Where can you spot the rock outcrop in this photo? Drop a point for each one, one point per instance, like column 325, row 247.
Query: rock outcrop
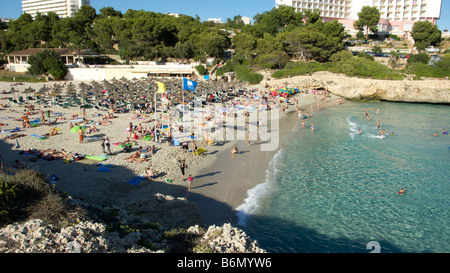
column 423, row 91
column 139, row 231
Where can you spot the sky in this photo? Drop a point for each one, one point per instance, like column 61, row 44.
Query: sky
column 203, row 8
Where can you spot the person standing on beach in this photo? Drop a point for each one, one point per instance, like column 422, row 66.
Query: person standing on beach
column 139, row 129
column 108, row 146
column 130, row 129
column 183, row 167
column 81, row 135
column 103, row 146
column 83, row 111
column 194, row 148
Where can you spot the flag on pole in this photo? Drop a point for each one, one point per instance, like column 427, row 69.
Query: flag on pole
column 161, row 87
column 189, row 85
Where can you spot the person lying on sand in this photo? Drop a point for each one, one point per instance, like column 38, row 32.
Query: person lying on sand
column 137, row 157
column 14, row 136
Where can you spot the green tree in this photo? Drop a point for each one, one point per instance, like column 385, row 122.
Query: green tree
column 307, row 43
column 185, row 51
column 108, row 12
column 312, row 17
column 244, row 45
column 103, row 34
column 424, row 34
column 276, row 20
column 213, row 43
column 47, row 61
column 56, row 68
column 368, row 19
column 267, row 44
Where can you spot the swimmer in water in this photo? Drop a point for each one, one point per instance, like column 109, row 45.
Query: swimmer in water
column 402, row 191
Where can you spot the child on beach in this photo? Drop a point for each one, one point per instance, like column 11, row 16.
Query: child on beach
column 190, row 179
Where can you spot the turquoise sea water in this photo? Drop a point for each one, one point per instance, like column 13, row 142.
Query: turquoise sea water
column 334, row 190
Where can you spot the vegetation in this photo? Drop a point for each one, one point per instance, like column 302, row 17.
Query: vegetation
column 276, row 37
column 28, row 195
column 425, row 34
column 368, row 18
column 341, row 62
column 47, row 61
column 418, row 65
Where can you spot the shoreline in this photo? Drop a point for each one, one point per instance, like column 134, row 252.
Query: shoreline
column 230, row 177
column 221, row 180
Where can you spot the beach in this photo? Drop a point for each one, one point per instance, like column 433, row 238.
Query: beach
column 221, row 180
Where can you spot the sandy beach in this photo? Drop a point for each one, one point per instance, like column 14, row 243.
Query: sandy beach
column 220, row 179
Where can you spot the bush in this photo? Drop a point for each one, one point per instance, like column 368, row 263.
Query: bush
column 245, row 74
column 366, row 56
column 8, row 195
column 56, row 68
column 28, row 195
column 201, row 69
column 419, row 58
column 341, row 62
column 441, row 70
column 47, row 61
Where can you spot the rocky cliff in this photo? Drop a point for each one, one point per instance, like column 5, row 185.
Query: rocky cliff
column 134, row 231
column 424, row 91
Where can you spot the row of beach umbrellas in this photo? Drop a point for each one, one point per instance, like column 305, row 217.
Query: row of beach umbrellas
column 135, row 90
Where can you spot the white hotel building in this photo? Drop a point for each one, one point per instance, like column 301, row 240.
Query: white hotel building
column 397, row 16
column 64, row 8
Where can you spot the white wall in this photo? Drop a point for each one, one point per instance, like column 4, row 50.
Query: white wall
column 127, row 71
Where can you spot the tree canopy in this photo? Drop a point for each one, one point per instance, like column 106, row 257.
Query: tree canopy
column 275, row 37
column 368, row 18
column 425, row 34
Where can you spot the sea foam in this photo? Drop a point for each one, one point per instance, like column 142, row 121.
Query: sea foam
column 257, row 194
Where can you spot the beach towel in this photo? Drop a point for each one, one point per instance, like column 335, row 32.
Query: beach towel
column 103, row 169
column 200, row 151
column 147, row 138
column 96, row 158
column 136, row 180
column 14, row 130
column 40, row 137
